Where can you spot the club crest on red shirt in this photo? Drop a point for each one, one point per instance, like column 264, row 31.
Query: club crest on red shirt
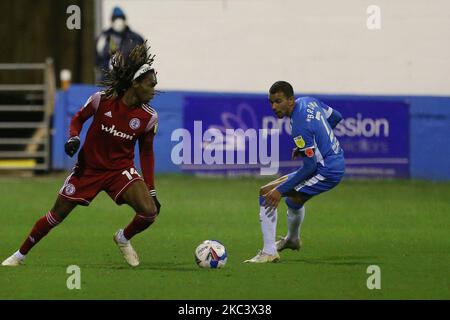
column 135, row 123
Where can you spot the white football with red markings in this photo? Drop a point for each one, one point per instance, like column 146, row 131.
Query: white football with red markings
column 211, row 254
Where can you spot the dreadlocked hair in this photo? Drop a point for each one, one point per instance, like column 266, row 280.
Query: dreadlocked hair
column 120, row 76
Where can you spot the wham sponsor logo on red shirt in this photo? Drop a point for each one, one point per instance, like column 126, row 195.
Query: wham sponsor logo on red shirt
column 116, row 133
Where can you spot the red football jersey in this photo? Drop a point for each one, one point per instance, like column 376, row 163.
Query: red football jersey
column 111, row 138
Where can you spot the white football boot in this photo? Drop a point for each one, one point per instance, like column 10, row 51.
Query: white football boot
column 284, row 243
column 127, row 250
column 12, row 261
column 263, row 257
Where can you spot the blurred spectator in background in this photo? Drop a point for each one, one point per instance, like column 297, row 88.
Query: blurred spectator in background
column 118, row 37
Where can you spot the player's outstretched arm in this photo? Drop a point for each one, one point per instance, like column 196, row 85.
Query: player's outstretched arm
column 76, row 124
column 147, row 159
column 305, row 172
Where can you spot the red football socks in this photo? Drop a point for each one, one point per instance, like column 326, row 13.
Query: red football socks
column 138, row 224
column 51, row 220
column 40, row 229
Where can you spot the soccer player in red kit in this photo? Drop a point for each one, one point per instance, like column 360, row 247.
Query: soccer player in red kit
column 105, row 162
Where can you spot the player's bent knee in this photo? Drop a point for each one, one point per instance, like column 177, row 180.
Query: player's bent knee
column 297, row 199
column 295, row 203
column 148, row 210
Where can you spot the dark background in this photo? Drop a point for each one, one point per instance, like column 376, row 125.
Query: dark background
column 31, row 31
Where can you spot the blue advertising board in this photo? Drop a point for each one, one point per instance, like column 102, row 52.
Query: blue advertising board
column 239, row 135
column 374, row 136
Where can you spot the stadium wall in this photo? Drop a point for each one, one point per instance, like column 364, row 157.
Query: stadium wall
column 318, row 46
column 429, row 127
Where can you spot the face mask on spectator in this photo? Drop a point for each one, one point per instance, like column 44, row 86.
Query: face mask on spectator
column 118, row 25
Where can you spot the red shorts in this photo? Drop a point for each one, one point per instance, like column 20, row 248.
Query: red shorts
column 83, row 184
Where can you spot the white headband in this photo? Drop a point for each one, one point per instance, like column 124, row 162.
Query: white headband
column 143, row 69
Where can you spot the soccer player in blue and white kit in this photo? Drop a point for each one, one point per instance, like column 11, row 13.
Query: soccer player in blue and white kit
column 323, row 167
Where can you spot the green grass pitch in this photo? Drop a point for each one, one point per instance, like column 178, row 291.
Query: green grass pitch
column 401, row 226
